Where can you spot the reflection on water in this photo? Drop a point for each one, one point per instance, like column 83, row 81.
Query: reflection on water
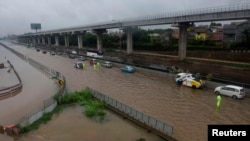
column 188, row 110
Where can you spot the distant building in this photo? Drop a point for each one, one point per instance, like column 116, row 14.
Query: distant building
column 217, row 35
column 233, row 32
column 202, row 32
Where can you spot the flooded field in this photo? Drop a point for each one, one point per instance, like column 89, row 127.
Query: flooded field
column 188, row 110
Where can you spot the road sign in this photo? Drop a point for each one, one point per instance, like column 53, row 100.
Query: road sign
column 60, row 82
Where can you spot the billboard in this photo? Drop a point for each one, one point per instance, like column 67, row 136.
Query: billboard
column 35, row 26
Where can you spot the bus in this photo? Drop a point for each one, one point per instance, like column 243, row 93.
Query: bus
column 94, row 53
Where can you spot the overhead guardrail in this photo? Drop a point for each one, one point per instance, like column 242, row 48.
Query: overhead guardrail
column 229, row 12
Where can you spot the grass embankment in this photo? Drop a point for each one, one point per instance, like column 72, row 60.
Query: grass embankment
column 93, row 108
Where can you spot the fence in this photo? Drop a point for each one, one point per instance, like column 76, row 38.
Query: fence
column 160, row 127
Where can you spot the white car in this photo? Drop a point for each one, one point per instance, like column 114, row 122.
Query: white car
column 73, row 52
column 107, row 64
column 188, row 79
column 231, row 91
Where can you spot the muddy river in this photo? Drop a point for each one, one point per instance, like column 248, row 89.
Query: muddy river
column 188, row 110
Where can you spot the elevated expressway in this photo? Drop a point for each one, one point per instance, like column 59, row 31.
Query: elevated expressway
column 181, row 19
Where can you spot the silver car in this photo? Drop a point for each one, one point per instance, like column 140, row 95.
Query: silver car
column 107, row 64
column 231, row 91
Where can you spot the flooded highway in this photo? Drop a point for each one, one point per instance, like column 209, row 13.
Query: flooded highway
column 188, row 110
column 32, row 95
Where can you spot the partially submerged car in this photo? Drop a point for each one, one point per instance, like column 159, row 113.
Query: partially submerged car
column 82, row 58
column 72, row 56
column 78, row 65
column 44, row 51
column 128, row 69
column 189, row 80
column 231, row 91
column 73, row 52
column 52, row 53
column 107, row 64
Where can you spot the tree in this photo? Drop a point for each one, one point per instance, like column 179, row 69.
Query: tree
column 215, row 24
column 246, row 36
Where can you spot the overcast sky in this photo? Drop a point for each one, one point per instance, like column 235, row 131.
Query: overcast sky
column 17, row 15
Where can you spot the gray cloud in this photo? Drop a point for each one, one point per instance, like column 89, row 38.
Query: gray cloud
column 16, row 15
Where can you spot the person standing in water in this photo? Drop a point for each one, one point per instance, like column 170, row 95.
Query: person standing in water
column 218, row 102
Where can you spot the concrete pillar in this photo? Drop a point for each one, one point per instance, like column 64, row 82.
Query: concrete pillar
column 34, row 40
column 29, row 41
column 49, row 40
column 182, row 40
column 98, row 34
column 129, row 42
column 57, row 40
column 99, row 41
column 38, row 40
column 66, row 40
column 43, row 40
column 79, row 38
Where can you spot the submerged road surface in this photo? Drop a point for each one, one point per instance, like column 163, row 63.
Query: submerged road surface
column 188, row 110
column 36, row 89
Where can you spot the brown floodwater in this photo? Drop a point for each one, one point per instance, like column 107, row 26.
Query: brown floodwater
column 36, row 88
column 72, row 124
column 188, row 110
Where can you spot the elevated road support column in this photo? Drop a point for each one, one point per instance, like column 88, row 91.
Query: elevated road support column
column 66, row 40
column 98, row 33
column 43, row 40
column 49, row 40
column 38, row 40
column 79, row 39
column 56, row 40
column 182, row 40
column 129, row 32
column 34, row 40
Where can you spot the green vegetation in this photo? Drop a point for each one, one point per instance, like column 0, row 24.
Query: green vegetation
column 93, row 108
column 209, row 76
column 43, row 120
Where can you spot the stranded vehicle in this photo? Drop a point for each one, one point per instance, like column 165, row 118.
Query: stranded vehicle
column 107, row 64
column 78, row 65
column 189, row 80
column 231, row 91
column 94, row 53
column 128, row 69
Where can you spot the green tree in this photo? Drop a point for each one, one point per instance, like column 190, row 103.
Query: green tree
column 246, row 36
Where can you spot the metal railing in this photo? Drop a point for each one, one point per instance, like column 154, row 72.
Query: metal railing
column 208, row 10
column 131, row 112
